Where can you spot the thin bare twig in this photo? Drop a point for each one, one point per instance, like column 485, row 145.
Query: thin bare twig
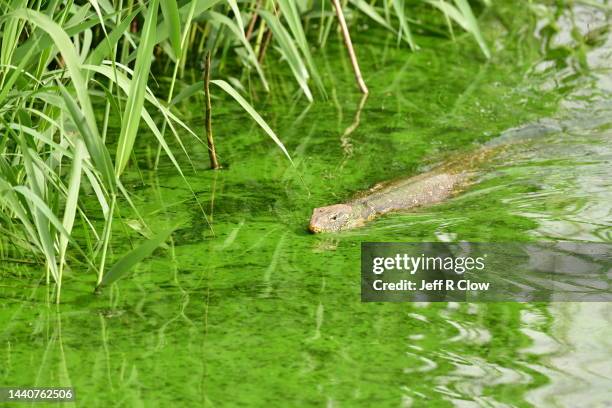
column 349, row 46
column 267, row 38
column 264, row 46
column 251, row 28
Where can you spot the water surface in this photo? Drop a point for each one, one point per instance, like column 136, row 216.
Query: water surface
column 247, row 308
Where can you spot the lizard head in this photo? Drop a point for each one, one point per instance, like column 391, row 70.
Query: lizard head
column 332, row 218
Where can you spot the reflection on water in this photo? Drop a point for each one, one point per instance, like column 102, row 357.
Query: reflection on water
column 263, row 313
column 577, row 357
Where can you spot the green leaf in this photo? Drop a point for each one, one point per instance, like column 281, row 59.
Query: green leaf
column 72, row 196
column 129, row 260
column 219, row 18
column 170, row 12
column 97, row 150
column 290, row 12
column 187, row 92
column 64, row 45
column 44, row 209
column 472, row 25
column 399, row 6
column 234, row 6
column 201, row 6
column 138, row 86
column 371, row 12
column 124, row 83
column 462, row 15
column 289, row 51
column 106, row 45
column 247, row 107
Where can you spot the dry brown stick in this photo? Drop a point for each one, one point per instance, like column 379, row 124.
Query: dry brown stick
column 253, row 20
column 134, row 26
column 349, row 46
column 267, row 38
column 214, row 164
column 264, row 46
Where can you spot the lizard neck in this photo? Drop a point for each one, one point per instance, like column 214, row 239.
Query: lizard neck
column 362, row 211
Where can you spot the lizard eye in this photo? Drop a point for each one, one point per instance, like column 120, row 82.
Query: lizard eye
column 334, row 217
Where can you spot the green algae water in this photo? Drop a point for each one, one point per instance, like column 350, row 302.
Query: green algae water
column 245, row 308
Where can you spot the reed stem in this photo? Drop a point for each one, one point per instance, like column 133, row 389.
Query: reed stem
column 251, row 28
column 349, row 46
column 214, row 164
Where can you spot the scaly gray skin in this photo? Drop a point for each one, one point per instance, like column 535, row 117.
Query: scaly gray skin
column 425, row 189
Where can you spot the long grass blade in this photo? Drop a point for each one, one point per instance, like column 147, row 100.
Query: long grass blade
column 97, row 150
column 462, row 15
column 399, row 6
column 235, row 29
column 170, row 12
column 71, row 59
column 201, row 6
column 289, row 51
column 132, row 258
column 135, row 102
column 71, row 199
column 472, row 25
column 290, row 12
column 371, row 12
column 70, row 209
column 105, row 47
column 251, row 111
